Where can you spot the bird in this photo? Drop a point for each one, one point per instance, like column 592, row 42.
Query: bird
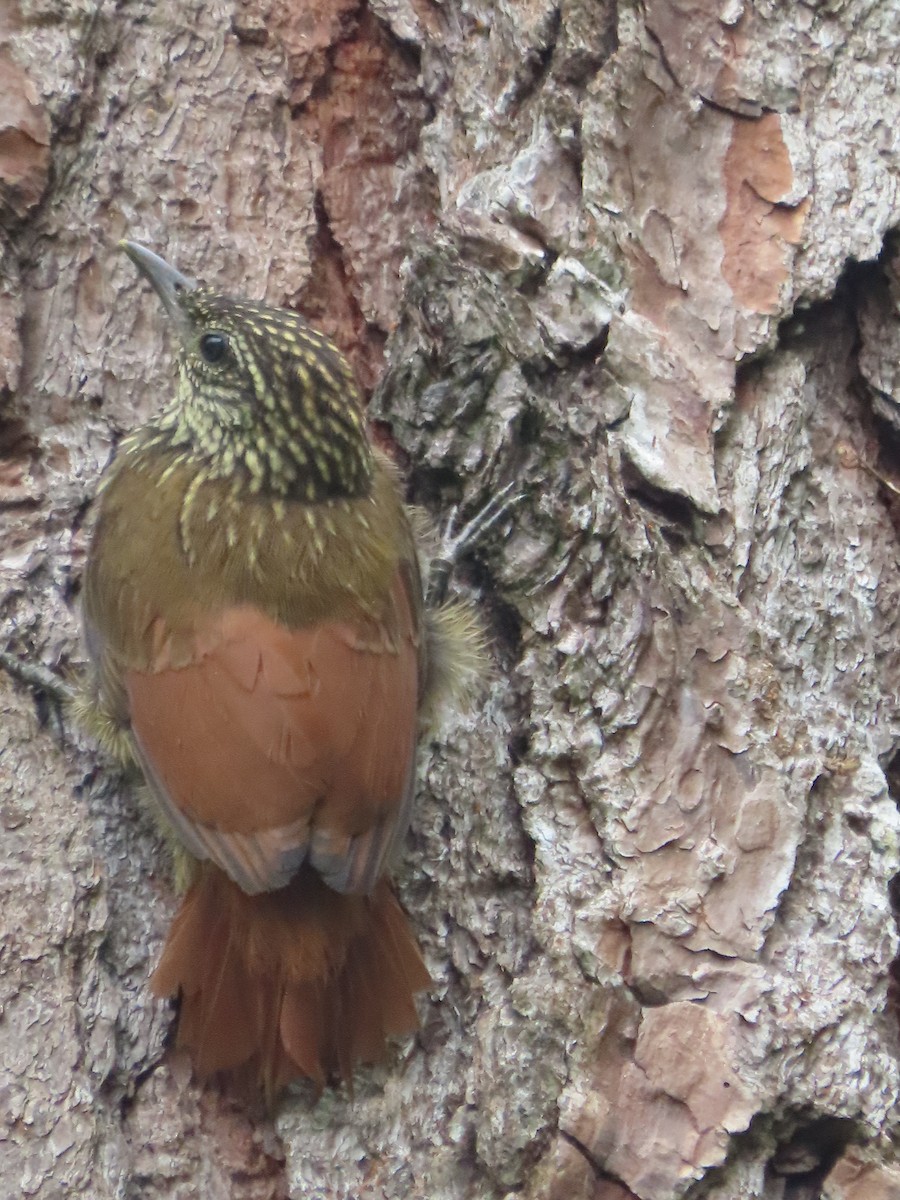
column 262, row 647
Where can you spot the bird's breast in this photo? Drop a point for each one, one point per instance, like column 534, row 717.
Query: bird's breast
column 172, row 544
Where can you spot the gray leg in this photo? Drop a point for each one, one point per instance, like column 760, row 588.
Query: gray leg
column 36, row 676
column 457, row 542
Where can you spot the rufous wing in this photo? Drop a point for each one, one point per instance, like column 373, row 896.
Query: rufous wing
column 273, row 746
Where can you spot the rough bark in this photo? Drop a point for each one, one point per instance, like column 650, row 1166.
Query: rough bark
column 649, row 276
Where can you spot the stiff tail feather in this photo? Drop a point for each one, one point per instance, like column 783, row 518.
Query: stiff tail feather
column 304, row 981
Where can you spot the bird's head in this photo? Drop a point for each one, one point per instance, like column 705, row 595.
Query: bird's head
column 260, row 393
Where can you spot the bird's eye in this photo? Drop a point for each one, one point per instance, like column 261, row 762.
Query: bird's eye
column 214, row 347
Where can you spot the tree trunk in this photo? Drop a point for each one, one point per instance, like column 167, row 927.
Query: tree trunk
column 651, row 871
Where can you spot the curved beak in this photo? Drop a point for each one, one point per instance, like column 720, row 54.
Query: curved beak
column 167, row 282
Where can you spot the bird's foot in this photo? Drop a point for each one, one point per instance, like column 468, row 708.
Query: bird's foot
column 457, row 542
column 36, row 677
column 43, row 682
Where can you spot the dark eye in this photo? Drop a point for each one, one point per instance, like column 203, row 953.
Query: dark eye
column 214, row 347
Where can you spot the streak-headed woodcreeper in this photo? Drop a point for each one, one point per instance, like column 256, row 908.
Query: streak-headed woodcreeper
column 261, row 647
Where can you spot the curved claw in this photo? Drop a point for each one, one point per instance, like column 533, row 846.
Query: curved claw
column 37, row 677
column 455, row 544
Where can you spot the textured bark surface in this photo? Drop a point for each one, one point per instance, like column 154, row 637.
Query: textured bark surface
column 637, row 258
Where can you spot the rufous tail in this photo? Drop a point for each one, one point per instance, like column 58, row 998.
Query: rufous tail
column 304, row 981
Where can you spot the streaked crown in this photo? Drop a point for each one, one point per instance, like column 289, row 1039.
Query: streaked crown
column 260, row 393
